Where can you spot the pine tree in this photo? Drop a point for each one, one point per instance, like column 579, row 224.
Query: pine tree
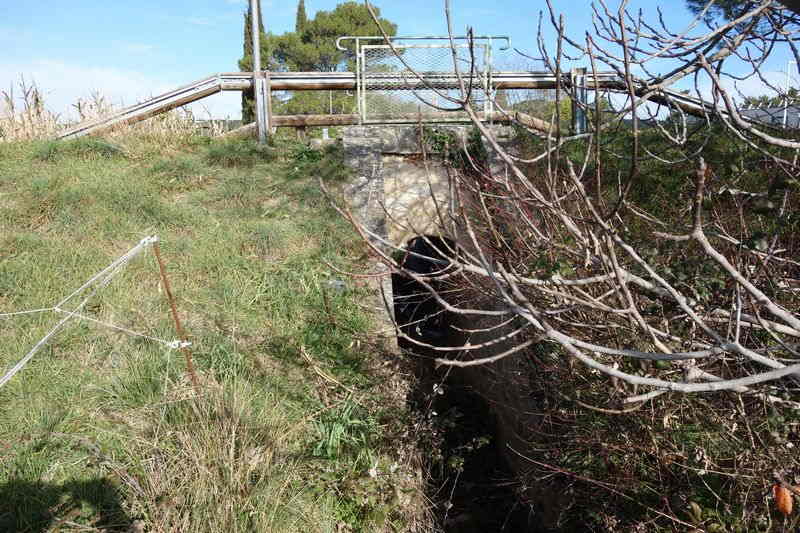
column 302, row 19
column 311, row 50
column 248, row 96
column 729, row 10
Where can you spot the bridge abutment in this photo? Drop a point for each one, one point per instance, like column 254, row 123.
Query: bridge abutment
column 402, row 189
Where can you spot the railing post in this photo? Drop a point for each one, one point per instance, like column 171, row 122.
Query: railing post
column 579, row 100
column 262, row 107
column 269, row 126
column 259, row 82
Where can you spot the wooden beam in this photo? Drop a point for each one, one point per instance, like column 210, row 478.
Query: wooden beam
column 248, row 130
column 303, row 121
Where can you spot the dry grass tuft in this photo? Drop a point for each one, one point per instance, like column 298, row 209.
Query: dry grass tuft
column 24, row 116
column 206, row 463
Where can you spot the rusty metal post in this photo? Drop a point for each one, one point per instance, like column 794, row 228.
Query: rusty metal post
column 178, row 327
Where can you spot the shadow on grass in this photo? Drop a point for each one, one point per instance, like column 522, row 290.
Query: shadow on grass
column 35, row 506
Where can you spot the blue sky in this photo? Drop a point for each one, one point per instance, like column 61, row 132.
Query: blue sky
column 130, row 50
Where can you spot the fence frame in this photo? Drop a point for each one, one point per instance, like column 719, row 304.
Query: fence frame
column 362, row 45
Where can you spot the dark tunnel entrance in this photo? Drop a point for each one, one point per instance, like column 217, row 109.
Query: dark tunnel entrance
column 417, row 312
column 468, row 480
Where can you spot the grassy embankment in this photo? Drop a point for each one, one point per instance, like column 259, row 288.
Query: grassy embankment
column 295, row 427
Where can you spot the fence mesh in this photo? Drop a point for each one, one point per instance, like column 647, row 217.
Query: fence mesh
column 392, row 90
column 385, row 95
column 539, row 103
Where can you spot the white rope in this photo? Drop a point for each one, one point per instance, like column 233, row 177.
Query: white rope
column 178, row 344
column 113, row 268
column 100, row 280
column 24, row 361
column 32, row 311
column 174, row 344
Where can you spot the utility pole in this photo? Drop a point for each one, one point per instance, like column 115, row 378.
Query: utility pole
column 259, row 82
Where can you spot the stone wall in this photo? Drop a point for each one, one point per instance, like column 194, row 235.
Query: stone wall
column 391, row 191
column 390, row 194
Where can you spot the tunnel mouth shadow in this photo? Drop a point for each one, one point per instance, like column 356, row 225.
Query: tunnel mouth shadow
column 418, row 314
column 37, row 506
column 469, row 483
column 473, row 487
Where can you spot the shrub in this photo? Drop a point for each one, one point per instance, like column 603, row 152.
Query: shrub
column 327, row 163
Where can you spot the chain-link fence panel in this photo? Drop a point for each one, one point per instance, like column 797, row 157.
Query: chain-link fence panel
column 411, row 82
column 538, row 103
column 415, row 82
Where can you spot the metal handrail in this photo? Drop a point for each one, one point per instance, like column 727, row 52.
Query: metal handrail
column 422, row 38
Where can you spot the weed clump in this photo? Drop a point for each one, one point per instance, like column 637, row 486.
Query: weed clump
column 345, row 430
column 83, row 147
column 326, row 164
column 446, row 143
column 239, row 153
column 180, row 167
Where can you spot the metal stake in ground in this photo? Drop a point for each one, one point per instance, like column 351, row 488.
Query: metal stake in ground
column 178, row 327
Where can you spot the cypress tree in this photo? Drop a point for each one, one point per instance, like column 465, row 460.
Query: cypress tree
column 302, row 19
column 248, row 96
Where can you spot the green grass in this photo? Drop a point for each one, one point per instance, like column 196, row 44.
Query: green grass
column 82, row 147
column 103, row 429
column 237, row 153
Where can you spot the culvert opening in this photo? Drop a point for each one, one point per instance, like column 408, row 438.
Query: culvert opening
column 418, row 314
column 469, row 482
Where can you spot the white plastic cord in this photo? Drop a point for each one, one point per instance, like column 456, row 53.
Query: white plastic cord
column 174, row 344
column 111, row 269
column 99, row 280
column 31, row 312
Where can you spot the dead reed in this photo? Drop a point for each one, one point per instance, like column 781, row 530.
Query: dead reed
column 25, row 116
